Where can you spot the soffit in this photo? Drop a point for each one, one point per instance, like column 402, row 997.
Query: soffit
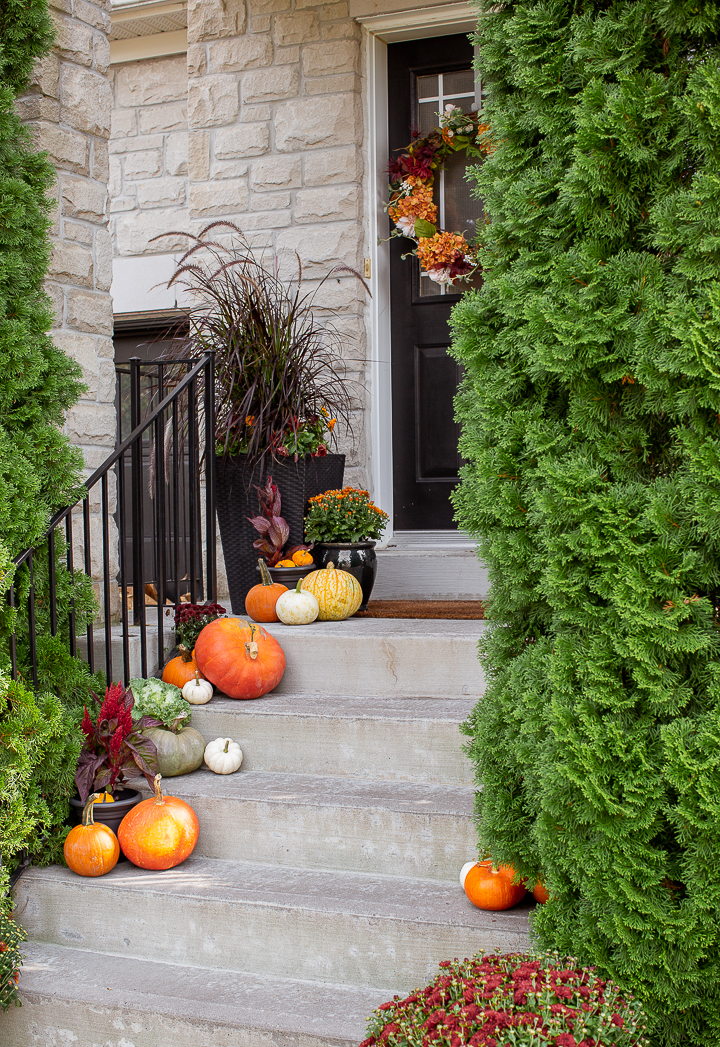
column 147, row 17
column 416, row 22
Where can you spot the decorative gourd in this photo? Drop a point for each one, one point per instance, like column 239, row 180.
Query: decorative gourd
column 302, row 558
column 197, row 691
column 181, row 669
column 242, row 660
column 285, row 563
column 103, row 798
column 91, row 848
column 338, row 593
column 297, row 607
column 492, row 888
column 464, row 871
column 260, row 601
column 223, row 756
column 177, row 753
column 540, row 893
column 159, row 833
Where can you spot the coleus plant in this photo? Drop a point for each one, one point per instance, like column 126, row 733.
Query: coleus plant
column 115, row 748
column 273, row 529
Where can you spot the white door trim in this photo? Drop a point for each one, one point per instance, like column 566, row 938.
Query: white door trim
column 378, row 31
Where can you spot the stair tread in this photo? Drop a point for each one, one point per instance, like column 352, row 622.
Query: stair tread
column 274, row 787
column 385, row 628
column 333, row 1013
column 363, row 895
column 331, row 706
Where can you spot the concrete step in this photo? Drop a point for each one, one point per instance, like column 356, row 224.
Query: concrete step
column 394, row 739
column 396, row 657
column 134, row 646
column 414, row 570
column 315, row 822
column 91, row 999
column 344, row 928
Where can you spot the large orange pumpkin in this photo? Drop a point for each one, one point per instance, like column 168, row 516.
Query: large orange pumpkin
column 260, row 601
column 91, row 848
column 491, row 887
column 242, row 660
column 182, row 669
column 159, row 833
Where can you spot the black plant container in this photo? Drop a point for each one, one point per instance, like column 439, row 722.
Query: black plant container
column 110, row 814
column 357, row 558
column 236, row 499
column 287, row 576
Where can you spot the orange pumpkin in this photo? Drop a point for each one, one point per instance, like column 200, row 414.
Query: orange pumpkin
column 540, row 893
column 492, row 888
column 91, row 848
column 302, row 558
column 182, row 669
column 285, row 563
column 242, row 660
column 159, row 833
column 260, row 601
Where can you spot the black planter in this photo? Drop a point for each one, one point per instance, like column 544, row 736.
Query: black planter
column 110, row 814
column 288, row 576
column 357, row 558
column 236, row 499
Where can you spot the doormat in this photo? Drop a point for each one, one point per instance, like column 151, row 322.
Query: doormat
column 444, row 609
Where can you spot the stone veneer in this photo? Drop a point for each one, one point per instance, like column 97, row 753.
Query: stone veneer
column 67, row 108
column 274, row 144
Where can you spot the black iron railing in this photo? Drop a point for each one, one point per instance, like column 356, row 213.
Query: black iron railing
column 154, row 535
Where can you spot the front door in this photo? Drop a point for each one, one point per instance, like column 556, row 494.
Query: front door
column 423, row 77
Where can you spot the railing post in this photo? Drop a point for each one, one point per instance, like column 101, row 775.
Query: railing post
column 13, row 638
column 210, row 539
column 160, row 523
column 136, row 493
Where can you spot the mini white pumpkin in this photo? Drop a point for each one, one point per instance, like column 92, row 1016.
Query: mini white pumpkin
column 297, row 607
column 223, row 756
column 197, row 691
column 464, row 871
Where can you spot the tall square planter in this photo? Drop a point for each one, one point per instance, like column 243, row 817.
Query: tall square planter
column 236, row 499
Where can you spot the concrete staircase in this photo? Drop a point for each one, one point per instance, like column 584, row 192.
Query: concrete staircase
column 324, row 879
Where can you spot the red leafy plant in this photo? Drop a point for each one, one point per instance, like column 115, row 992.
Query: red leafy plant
column 274, row 531
column 115, row 749
column 513, row 1000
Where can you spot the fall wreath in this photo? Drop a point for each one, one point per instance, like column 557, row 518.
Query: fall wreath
column 445, row 257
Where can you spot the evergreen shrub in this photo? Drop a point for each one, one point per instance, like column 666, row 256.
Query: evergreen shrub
column 591, row 428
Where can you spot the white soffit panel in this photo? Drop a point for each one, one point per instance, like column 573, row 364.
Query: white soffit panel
column 154, row 46
column 422, row 22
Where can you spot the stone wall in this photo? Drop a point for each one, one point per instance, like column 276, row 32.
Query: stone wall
column 68, row 110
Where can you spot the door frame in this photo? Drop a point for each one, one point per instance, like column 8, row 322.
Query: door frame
column 378, row 32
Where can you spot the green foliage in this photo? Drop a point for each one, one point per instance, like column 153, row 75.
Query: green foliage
column 162, row 701
column 10, row 960
column 591, row 425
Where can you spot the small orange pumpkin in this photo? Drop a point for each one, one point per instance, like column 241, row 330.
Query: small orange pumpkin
column 540, row 893
column 91, row 848
column 302, row 558
column 260, row 601
column 492, row 888
column 181, row 669
column 159, row 833
column 285, row 563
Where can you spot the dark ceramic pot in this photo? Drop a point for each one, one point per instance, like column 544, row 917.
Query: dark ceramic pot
column 110, row 814
column 357, row 558
column 236, row 500
column 289, row 576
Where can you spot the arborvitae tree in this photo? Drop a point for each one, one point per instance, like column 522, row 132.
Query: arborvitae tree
column 591, row 424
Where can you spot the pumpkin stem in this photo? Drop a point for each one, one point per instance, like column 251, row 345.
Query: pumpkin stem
column 252, row 649
column 227, row 743
column 159, row 798
column 264, row 573
column 185, row 653
column 87, row 815
column 197, row 678
column 330, row 566
column 298, row 587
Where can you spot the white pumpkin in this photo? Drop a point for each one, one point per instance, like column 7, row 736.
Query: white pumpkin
column 464, row 871
column 197, row 691
column 223, row 756
column 297, row 607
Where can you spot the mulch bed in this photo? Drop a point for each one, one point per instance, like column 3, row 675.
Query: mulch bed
column 445, row 609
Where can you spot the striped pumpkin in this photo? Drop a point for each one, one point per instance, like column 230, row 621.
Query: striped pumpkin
column 338, row 593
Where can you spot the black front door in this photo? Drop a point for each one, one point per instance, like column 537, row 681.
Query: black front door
column 423, row 77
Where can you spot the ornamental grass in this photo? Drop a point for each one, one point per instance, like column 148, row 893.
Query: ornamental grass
column 513, row 1000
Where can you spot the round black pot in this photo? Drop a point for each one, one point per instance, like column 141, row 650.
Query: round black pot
column 236, row 499
column 357, row 558
column 110, row 814
column 288, row 576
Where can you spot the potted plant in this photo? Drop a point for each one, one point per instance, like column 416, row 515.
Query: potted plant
column 344, row 525
column 280, row 388
column 114, row 752
column 286, row 563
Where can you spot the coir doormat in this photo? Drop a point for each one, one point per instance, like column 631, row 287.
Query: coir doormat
column 447, row 609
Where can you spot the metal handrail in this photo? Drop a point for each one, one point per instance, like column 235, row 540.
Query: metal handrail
column 164, row 517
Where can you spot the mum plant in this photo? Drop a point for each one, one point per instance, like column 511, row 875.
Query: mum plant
column 279, row 372
column 510, row 1001
column 115, row 748
column 191, row 619
column 344, row 516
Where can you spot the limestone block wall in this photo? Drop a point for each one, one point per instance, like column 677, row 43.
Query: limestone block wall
column 68, row 110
